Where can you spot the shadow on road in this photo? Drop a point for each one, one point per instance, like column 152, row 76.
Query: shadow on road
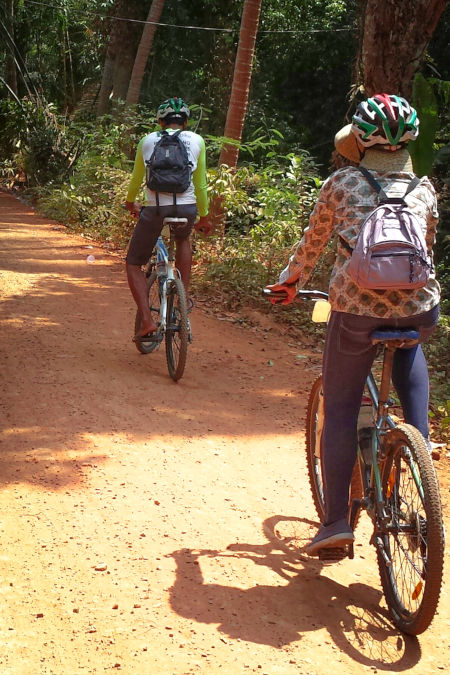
column 278, row 615
column 72, row 379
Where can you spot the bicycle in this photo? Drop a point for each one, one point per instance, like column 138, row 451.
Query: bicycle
column 394, row 481
column 168, row 305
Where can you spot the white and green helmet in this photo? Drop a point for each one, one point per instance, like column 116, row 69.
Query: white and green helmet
column 173, row 106
column 385, row 119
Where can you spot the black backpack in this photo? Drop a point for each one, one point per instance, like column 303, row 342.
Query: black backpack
column 169, row 168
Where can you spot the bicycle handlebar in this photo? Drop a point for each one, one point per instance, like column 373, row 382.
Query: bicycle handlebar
column 302, row 294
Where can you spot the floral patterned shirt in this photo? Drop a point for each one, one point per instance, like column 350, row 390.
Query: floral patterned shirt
column 345, row 200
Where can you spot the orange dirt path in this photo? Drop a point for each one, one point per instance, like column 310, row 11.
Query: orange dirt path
column 149, row 527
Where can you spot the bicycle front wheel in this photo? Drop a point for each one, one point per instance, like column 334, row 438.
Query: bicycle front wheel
column 145, row 347
column 314, row 429
column 412, row 556
column 177, row 330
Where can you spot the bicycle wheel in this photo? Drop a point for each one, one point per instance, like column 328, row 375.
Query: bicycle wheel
column 154, row 304
column 411, row 564
column 177, row 329
column 314, row 428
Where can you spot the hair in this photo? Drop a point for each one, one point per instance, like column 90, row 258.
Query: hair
column 175, row 118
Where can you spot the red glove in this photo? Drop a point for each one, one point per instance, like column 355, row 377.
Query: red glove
column 203, row 226
column 289, row 292
column 134, row 208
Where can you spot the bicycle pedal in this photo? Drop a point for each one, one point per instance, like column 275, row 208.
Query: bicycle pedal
column 333, row 554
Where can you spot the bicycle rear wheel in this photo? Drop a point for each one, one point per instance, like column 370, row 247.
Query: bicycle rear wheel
column 145, row 347
column 413, row 540
column 314, row 428
column 177, row 330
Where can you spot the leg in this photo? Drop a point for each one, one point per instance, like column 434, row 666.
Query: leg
column 348, row 356
column 143, row 240
column 183, row 260
column 410, row 378
column 347, row 359
column 139, row 290
column 183, row 253
column 410, row 372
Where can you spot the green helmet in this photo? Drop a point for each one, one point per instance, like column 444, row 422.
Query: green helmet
column 386, row 120
column 173, row 107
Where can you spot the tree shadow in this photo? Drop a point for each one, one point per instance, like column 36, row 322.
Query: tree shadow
column 279, row 615
column 71, row 374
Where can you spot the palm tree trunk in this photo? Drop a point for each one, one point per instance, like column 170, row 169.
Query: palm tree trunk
column 143, row 51
column 241, row 81
column 10, row 66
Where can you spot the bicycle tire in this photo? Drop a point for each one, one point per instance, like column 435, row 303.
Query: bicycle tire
column 177, row 329
column 414, row 537
column 154, row 304
column 314, row 426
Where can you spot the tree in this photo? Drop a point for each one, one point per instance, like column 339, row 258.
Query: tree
column 143, row 51
column 120, row 53
column 394, row 37
column 10, row 70
column 241, row 81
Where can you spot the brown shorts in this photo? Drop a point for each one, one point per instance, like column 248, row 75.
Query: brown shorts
column 149, row 226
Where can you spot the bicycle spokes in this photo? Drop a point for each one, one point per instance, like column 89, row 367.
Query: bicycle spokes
column 410, row 537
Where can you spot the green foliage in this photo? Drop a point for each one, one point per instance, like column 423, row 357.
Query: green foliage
column 436, row 350
column 267, row 209
column 33, row 137
column 425, row 102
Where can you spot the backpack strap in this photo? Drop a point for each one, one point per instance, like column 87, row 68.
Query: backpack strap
column 176, row 135
column 382, row 196
column 412, row 186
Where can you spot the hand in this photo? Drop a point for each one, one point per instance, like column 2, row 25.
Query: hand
column 134, row 208
column 289, row 290
column 203, row 226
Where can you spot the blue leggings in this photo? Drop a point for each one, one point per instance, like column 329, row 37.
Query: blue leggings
column 347, row 359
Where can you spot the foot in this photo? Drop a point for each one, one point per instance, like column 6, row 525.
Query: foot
column 337, row 535
column 147, row 326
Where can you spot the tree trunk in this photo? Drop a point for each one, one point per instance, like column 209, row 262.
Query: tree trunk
column 395, row 35
column 108, row 68
column 120, row 53
column 143, row 51
column 241, row 80
column 10, row 67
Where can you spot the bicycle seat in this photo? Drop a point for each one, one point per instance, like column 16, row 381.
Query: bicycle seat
column 395, row 336
column 169, row 219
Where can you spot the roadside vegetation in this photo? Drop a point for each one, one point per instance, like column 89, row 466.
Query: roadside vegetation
column 76, row 171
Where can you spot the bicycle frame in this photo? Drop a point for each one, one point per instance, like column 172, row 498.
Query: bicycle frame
column 373, row 500
column 370, row 465
column 165, row 267
column 394, row 481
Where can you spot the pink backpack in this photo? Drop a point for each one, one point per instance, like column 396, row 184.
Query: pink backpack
column 390, row 250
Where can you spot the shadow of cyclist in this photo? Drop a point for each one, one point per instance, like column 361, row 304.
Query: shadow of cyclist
column 279, row 615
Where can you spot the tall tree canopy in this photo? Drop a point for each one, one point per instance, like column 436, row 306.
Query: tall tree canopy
column 84, row 54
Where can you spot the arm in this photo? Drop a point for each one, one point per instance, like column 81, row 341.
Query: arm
column 136, row 180
column 201, row 195
column 313, row 242
column 308, row 251
column 199, row 181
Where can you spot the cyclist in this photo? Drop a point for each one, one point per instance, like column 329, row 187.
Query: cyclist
column 381, row 128
column 172, row 114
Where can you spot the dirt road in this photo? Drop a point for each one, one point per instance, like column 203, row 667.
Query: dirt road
column 144, row 524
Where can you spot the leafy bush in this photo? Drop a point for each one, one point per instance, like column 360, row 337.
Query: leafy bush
column 34, row 141
column 267, row 210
